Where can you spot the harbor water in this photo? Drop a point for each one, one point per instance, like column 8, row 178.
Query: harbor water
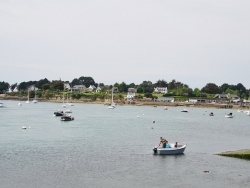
column 114, row 147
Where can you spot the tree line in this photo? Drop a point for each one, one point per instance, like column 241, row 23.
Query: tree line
column 175, row 88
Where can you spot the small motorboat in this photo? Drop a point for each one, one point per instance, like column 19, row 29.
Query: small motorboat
column 173, row 150
column 67, row 118
column 184, row 110
column 111, row 107
column 230, row 115
column 68, row 111
column 58, row 113
column 1, row 105
column 211, row 114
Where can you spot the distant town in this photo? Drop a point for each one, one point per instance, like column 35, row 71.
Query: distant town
column 161, row 91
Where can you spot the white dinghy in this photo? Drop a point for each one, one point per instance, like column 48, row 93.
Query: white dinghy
column 173, row 150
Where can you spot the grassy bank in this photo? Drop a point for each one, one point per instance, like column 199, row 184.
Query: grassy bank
column 242, row 154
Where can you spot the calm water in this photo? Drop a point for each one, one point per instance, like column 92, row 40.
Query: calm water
column 113, row 148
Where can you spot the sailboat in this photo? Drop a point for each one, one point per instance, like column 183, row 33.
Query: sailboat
column 28, row 101
column 70, row 104
column 19, row 103
column 34, row 100
column 112, row 105
column 68, row 110
column 63, row 105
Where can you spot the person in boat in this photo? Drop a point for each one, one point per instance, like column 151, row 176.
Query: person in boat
column 167, row 145
column 163, row 141
column 176, row 144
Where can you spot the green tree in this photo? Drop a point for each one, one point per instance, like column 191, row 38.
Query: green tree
column 23, row 86
column 211, row 88
column 45, row 86
column 161, row 83
column 197, row 92
column 57, row 85
column 148, row 95
column 224, row 87
column 47, row 94
column 13, row 86
column 241, row 89
column 101, row 85
column 132, row 85
column 230, row 91
column 172, row 85
column 41, row 82
column 87, row 81
column 187, row 91
column 4, row 86
column 123, row 87
column 147, row 86
column 139, row 89
column 76, row 82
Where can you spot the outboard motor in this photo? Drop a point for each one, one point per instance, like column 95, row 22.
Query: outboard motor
column 155, row 150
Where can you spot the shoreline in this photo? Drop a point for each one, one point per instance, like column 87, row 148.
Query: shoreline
column 139, row 102
column 241, row 154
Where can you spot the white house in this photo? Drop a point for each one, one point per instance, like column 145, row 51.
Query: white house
column 15, row 89
column 98, row 89
column 66, row 86
column 131, row 93
column 160, row 90
column 227, row 96
column 32, row 88
column 78, row 87
column 91, row 88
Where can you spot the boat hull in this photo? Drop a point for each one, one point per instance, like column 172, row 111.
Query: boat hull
column 58, row 113
column 67, row 118
column 170, row 151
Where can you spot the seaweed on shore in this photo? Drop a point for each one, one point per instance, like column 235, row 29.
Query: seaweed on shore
column 242, row 154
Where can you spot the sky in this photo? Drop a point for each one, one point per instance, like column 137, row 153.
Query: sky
column 192, row 41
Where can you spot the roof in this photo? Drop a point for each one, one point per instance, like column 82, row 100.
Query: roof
column 133, row 90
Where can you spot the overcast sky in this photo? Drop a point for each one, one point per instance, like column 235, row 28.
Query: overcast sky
column 192, row 41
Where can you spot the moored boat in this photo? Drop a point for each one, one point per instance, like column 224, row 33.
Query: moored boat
column 58, row 113
column 230, row 115
column 1, row 105
column 211, row 114
column 170, row 151
column 111, row 107
column 68, row 111
column 67, row 118
column 184, row 110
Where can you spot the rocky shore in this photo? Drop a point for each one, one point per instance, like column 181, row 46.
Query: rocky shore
column 136, row 102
